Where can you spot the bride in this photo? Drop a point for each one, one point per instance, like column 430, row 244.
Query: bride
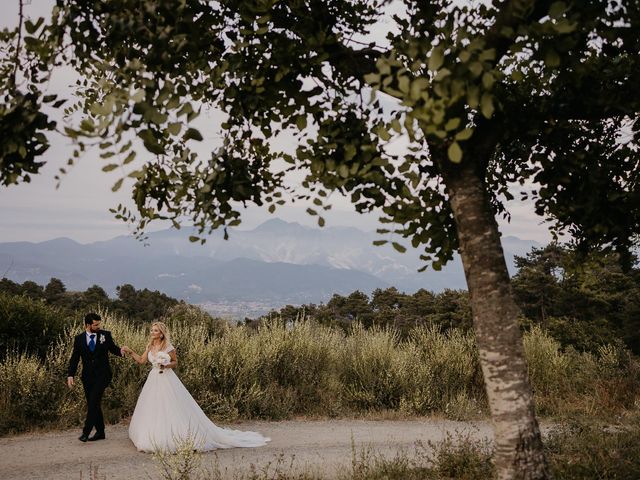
column 166, row 414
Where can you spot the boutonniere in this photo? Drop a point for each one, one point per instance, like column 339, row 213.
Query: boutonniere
column 102, row 339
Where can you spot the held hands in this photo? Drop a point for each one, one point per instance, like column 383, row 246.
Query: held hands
column 125, row 351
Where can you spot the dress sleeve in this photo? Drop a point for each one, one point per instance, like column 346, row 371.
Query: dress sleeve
column 169, row 348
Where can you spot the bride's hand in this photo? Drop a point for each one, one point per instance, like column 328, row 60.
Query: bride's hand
column 125, row 350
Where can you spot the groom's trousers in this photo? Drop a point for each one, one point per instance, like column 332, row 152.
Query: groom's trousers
column 93, row 391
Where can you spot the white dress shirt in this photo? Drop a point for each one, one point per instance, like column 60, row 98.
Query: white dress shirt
column 88, row 338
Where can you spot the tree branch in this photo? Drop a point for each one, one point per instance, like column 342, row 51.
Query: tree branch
column 16, row 61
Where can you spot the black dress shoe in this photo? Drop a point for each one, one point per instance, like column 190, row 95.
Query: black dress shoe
column 84, row 437
column 97, row 436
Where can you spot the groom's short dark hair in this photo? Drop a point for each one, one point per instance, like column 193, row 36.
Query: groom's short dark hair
column 89, row 318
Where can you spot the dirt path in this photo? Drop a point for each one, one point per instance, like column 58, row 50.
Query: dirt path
column 318, row 446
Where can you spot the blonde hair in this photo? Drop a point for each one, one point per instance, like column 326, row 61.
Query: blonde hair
column 164, row 332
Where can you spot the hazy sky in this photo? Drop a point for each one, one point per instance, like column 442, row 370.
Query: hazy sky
column 79, row 208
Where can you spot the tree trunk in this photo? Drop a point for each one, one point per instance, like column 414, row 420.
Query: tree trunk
column 518, row 444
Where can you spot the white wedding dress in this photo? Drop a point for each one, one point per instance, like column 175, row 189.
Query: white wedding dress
column 166, row 415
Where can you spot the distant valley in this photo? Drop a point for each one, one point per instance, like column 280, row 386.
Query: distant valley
column 255, row 270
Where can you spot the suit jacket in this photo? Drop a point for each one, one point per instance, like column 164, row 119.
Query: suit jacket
column 95, row 365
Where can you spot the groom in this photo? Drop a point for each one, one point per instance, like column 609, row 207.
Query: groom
column 93, row 346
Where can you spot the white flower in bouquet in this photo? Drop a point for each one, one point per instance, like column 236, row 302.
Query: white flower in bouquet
column 161, row 358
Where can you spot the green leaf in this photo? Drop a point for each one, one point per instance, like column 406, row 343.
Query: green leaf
column 557, row 9
column 349, row 152
column 192, row 134
column 489, row 54
column 552, row 59
column 488, row 80
column 403, row 84
column 117, row 185
column 436, row 59
column 400, row 248
column 476, row 68
column 565, row 26
column 383, row 66
column 378, row 243
column 110, row 167
column 464, row 56
column 473, row 96
column 321, row 222
column 154, row 147
column 452, row 124
column 301, row 122
column 418, row 86
column 486, row 105
column 372, row 78
column 193, row 238
column 442, row 73
column 517, row 76
column 174, row 128
column 383, row 133
column 464, row 134
column 129, row 158
column 272, row 208
column 29, row 27
column 454, row 152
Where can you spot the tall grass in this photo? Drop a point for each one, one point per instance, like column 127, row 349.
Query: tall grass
column 277, row 372
column 571, row 383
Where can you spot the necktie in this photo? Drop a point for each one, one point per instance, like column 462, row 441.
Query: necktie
column 92, row 343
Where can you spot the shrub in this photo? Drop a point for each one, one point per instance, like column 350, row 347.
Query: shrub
column 442, row 373
column 370, row 369
column 28, row 325
column 31, row 392
column 574, row 383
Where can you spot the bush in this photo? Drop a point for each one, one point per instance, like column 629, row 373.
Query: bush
column 371, row 369
column 569, row 383
column 32, row 393
column 28, row 325
column 443, row 373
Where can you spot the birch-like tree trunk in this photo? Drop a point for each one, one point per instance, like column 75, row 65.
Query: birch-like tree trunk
column 518, row 444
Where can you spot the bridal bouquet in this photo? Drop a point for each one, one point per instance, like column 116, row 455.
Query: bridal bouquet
column 161, row 358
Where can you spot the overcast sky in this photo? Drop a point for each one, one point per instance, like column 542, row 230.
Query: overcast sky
column 79, row 209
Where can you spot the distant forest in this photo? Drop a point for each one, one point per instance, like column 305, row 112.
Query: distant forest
column 584, row 301
column 139, row 306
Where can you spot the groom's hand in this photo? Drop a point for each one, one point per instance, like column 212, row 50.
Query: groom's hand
column 70, row 382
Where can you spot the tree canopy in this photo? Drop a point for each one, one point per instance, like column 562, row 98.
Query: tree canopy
column 539, row 91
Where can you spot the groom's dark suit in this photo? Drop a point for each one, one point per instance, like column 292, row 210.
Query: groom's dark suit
column 96, row 374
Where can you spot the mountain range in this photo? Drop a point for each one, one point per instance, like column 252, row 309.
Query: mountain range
column 276, row 263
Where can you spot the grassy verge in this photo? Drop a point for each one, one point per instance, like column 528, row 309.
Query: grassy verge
column 314, row 371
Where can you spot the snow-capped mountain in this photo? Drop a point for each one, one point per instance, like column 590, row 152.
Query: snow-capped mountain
column 277, row 261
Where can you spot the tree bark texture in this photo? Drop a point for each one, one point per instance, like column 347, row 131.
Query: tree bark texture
column 518, row 444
